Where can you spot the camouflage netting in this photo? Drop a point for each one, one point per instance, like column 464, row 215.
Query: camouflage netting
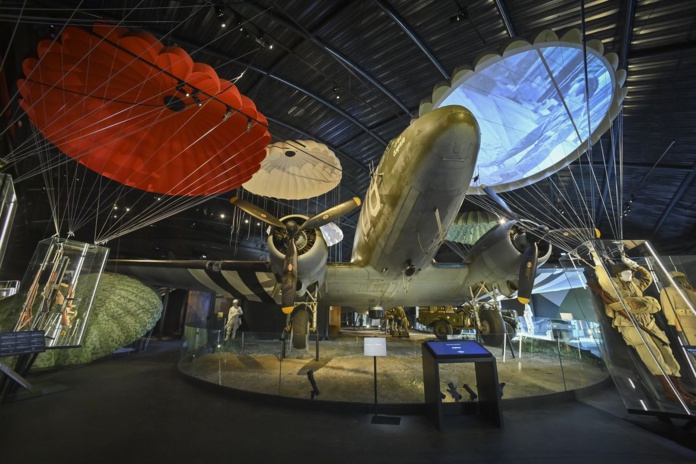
column 123, row 311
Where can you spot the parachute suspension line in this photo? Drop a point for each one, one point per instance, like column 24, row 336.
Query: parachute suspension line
column 49, row 183
column 587, row 109
column 609, row 204
column 169, row 207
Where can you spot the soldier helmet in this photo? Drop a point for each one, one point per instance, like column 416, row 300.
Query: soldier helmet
column 235, row 301
column 618, row 268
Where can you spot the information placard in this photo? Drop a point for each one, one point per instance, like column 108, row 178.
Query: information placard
column 375, row 346
column 16, row 343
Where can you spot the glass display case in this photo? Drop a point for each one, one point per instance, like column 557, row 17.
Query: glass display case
column 644, row 304
column 58, row 288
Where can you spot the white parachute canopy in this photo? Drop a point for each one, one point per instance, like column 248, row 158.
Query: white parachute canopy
column 295, row 170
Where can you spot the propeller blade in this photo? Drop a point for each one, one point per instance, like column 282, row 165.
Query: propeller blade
column 256, row 212
column 495, row 197
column 528, row 273
column 331, row 214
column 289, row 279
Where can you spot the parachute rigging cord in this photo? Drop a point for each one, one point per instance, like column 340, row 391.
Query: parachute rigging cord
column 572, row 198
column 75, row 195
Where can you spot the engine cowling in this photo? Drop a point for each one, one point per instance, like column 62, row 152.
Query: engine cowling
column 496, row 257
column 312, row 254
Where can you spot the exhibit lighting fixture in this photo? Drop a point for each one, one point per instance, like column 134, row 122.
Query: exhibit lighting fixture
column 248, row 125
column 246, row 221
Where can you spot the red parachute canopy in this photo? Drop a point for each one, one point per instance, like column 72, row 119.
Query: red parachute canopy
column 143, row 114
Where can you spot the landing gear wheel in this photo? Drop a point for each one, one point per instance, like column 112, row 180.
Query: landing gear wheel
column 300, row 328
column 442, row 329
column 491, row 327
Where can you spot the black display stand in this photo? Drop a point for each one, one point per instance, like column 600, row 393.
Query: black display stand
column 487, row 407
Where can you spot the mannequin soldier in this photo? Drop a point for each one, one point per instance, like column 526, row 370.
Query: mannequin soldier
column 397, row 323
column 677, row 311
column 631, row 280
column 234, row 320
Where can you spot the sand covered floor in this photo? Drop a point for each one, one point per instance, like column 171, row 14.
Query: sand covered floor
column 343, row 373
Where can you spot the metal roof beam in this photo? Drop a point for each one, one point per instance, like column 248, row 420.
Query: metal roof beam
column 310, row 36
column 413, row 36
column 677, row 196
column 502, row 10
column 227, row 57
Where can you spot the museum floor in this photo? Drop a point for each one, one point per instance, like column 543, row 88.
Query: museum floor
column 138, row 408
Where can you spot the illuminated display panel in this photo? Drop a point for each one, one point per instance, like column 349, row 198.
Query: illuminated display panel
column 532, row 110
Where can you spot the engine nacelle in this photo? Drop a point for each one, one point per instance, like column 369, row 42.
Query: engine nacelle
column 312, row 254
column 496, row 257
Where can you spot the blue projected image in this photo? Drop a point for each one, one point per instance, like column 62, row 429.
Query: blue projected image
column 533, row 112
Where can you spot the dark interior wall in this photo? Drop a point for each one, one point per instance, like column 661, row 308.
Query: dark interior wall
column 265, row 318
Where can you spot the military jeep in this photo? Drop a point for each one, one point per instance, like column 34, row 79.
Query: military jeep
column 448, row 320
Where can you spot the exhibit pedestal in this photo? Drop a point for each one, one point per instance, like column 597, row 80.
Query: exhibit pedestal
column 487, row 403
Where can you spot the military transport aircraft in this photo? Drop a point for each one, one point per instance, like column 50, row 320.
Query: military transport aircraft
column 413, row 198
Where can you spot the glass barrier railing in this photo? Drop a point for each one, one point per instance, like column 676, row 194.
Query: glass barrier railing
column 548, row 359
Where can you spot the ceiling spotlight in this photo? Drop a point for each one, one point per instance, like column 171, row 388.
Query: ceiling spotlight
column 337, row 92
column 246, row 221
column 222, row 216
column 462, row 15
column 261, row 40
column 195, row 97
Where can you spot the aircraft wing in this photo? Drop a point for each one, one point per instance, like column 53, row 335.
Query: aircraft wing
column 345, row 284
column 252, row 280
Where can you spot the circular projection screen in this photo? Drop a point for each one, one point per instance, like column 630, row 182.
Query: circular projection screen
column 532, row 106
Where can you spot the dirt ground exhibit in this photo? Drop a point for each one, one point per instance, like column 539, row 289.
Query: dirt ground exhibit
column 343, row 373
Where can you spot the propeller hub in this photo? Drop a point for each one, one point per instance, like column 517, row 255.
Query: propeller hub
column 292, row 228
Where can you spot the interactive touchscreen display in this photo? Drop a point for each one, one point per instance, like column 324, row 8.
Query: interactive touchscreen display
column 458, row 349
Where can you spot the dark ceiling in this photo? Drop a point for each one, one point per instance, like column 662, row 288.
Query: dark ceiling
column 382, row 58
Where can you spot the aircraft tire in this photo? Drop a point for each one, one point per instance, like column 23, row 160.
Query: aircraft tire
column 492, row 329
column 300, row 327
column 442, row 329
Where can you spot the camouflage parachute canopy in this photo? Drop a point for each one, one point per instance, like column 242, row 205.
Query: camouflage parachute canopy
column 470, row 226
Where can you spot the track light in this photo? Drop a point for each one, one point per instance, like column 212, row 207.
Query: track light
column 220, row 15
column 261, row 40
column 180, row 88
column 462, row 15
column 195, row 97
column 337, row 92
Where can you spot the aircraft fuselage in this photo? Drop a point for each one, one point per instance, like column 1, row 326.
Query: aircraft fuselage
column 416, row 192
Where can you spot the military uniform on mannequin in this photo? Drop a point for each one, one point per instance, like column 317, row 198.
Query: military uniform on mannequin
column 631, row 280
column 397, row 322
column 677, row 311
column 234, row 320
